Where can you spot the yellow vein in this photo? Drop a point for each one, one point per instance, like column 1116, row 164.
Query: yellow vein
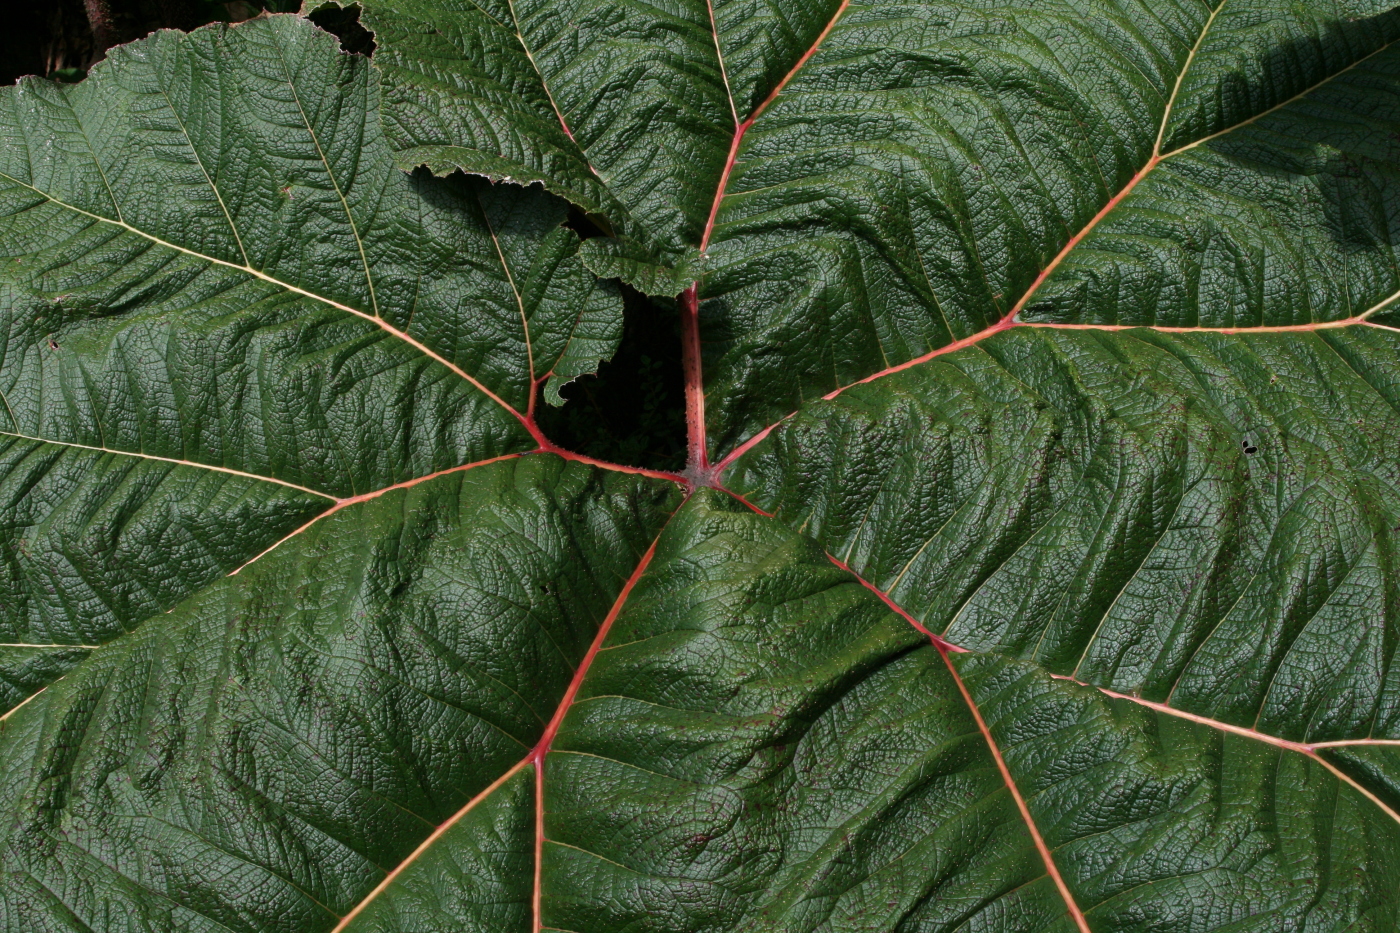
column 207, row 177
column 77, row 121
column 1242, row 329
column 1351, row 782
column 24, row 645
column 20, row 705
column 1376, row 307
column 719, row 54
column 8, row 410
column 1157, row 159
column 354, row 230
column 190, row 463
column 519, row 301
column 428, row 843
column 1279, row 106
column 258, row 274
column 544, row 85
column 1181, row 76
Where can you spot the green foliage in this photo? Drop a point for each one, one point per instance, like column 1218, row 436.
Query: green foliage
column 1025, row 560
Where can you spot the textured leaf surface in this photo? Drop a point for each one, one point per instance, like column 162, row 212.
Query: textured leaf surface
column 203, row 351
column 929, row 161
column 1034, row 567
column 1028, row 496
column 262, row 753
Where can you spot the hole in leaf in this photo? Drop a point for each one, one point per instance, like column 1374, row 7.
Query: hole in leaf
column 344, row 24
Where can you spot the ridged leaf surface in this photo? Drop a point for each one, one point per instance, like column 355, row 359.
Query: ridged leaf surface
column 1034, row 567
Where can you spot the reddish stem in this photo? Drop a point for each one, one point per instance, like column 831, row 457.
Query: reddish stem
column 549, row 447
column 698, row 461
column 697, row 454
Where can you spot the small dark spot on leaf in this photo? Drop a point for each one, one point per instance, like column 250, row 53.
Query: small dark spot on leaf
column 1248, row 447
column 53, row 344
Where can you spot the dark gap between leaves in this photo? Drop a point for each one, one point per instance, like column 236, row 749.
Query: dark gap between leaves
column 633, row 410
column 62, row 39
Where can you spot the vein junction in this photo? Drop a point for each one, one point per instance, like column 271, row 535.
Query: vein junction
column 1312, row 750
column 708, row 476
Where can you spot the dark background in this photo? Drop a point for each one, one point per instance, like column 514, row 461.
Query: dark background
column 631, row 412
column 62, row 39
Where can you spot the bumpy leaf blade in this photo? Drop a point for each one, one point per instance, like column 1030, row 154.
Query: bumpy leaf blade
column 1015, row 143
column 241, row 174
column 1159, row 822
column 1201, row 519
column 226, row 309
column 902, row 176
column 627, row 109
column 1046, row 625
column 761, row 744
column 96, row 543
column 255, row 757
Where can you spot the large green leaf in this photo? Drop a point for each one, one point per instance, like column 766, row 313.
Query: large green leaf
column 1035, row 567
column 263, row 753
column 226, row 309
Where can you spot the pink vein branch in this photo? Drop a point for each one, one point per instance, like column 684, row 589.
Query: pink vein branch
column 548, row 447
column 1009, row 320
column 1311, row 749
column 945, row 648
column 938, row 641
column 1045, row 855
column 1273, row 329
column 541, row 749
column 1007, row 323
column 365, row 497
column 536, row 755
column 743, row 128
column 1083, row 232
